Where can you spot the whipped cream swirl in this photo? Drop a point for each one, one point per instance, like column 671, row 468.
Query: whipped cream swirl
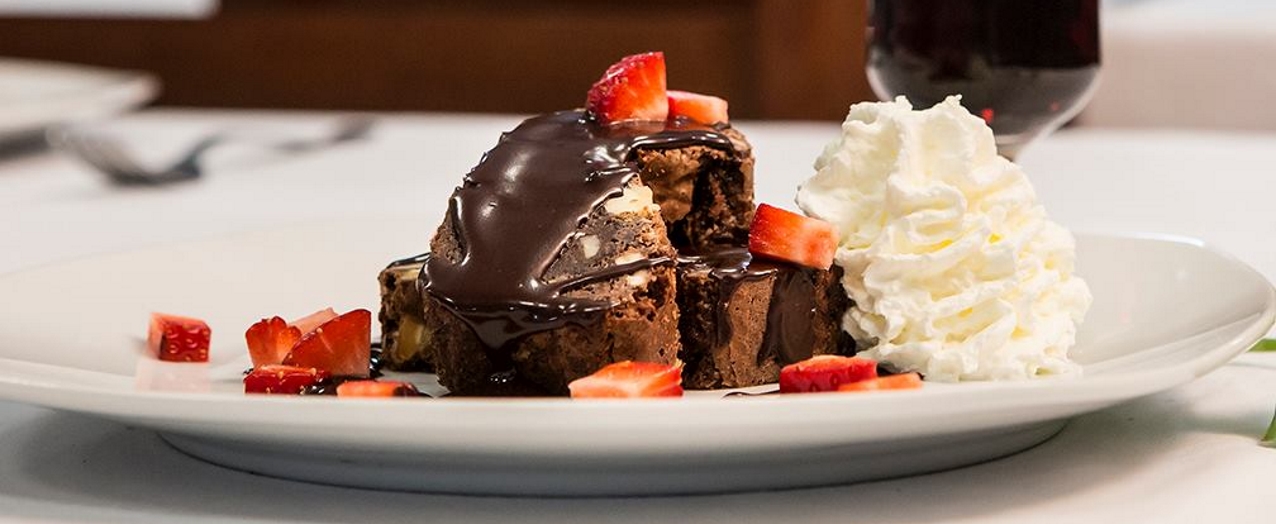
column 955, row 270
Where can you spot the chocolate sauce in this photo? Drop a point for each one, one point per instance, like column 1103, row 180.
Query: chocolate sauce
column 519, row 208
column 790, row 335
column 376, row 360
column 734, row 394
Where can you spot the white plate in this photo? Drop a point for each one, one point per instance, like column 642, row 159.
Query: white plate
column 1166, row 311
column 37, row 95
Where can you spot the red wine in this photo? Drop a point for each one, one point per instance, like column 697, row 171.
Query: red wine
column 1023, row 65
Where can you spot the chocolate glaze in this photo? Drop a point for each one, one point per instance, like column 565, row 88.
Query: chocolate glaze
column 789, row 336
column 519, row 207
column 376, row 360
column 734, row 394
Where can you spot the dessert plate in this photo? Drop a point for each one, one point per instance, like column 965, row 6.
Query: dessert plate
column 1166, row 311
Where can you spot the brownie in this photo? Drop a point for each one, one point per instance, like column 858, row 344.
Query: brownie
column 704, row 190
column 742, row 319
column 705, row 194
column 618, row 289
column 405, row 341
column 640, row 325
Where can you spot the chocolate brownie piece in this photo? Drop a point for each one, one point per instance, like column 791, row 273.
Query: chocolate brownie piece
column 702, row 177
column 742, row 319
column 640, row 325
column 705, row 193
column 405, row 341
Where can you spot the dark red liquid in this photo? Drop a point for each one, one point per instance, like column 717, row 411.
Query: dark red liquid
column 1023, row 65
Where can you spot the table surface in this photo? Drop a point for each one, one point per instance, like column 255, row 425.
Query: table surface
column 1186, row 455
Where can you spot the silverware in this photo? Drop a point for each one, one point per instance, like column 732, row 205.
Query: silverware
column 108, row 156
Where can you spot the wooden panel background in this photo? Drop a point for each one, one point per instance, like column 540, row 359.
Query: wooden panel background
column 770, row 58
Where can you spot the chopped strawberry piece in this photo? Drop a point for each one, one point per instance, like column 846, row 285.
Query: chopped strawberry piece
column 309, row 322
column 175, row 338
column 274, row 379
column 342, row 346
column 270, row 340
column 903, row 381
column 376, row 388
column 631, row 89
column 701, row 108
column 825, row 373
column 788, row 236
column 630, row 379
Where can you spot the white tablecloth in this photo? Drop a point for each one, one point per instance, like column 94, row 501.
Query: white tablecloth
column 1188, row 455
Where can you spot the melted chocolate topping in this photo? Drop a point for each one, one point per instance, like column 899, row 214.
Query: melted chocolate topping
column 734, row 394
column 789, row 336
column 517, row 210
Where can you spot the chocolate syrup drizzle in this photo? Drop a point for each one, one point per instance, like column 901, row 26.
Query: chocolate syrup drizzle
column 789, row 336
column 523, row 203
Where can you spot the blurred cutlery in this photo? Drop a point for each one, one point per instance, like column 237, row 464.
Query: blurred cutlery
column 108, row 156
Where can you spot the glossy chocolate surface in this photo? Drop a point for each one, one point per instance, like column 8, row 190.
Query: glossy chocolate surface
column 520, row 206
column 789, row 335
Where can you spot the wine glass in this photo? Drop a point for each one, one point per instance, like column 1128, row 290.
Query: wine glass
column 1025, row 66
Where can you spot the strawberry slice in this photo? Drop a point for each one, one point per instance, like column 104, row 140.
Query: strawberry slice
column 825, row 373
column 274, row 379
column 902, row 381
column 701, row 108
column 631, row 89
column 341, row 346
column 376, row 388
column 309, row 322
column 176, row 338
column 628, row 380
column 270, row 340
column 788, row 236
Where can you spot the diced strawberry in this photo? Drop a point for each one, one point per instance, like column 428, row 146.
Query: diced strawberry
column 630, row 379
column 175, row 338
column 705, row 109
column 270, row 340
column 825, row 373
column 309, row 322
column 631, row 89
column 902, row 381
column 376, row 388
column 274, row 379
column 788, row 236
column 342, row 346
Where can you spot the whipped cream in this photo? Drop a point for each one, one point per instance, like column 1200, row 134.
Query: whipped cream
column 955, row 270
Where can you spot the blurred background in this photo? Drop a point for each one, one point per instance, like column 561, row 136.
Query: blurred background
column 770, row 58
column 773, row 59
